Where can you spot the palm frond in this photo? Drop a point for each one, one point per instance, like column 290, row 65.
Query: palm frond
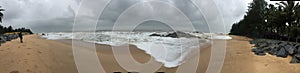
column 1, row 16
column 2, row 10
column 279, row 5
column 297, row 6
column 283, row 3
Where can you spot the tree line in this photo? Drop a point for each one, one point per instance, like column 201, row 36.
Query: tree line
column 10, row 28
column 280, row 21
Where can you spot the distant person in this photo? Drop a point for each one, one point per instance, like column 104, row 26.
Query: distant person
column 21, row 37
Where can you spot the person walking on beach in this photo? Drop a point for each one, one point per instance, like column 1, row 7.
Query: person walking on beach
column 21, row 37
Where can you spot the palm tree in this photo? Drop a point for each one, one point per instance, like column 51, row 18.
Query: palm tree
column 1, row 14
column 288, row 11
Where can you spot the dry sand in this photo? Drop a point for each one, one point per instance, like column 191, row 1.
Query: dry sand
column 37, row 55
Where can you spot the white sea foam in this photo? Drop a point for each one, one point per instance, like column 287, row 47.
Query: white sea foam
column 169, row 51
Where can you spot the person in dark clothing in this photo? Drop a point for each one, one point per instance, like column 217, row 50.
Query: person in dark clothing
column 21, row 37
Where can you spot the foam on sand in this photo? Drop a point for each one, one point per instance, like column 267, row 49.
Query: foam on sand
column 172, row 52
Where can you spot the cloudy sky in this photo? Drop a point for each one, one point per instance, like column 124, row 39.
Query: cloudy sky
column 58, row 15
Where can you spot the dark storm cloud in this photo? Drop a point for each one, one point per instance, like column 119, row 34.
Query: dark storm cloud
column 58, row 15
column 36, row 13
column 115, row 8
column 53, row 25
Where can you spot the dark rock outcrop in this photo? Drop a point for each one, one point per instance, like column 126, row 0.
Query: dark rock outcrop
column 277, row 48
column 154, row 34
column 282, row 53
column 7, row 37
column 176, row 34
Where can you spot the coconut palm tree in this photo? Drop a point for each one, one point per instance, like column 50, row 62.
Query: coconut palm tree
column 288, row 11
column 1, row 14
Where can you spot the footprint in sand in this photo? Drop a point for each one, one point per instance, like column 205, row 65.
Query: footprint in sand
column 15, row 71
column 28, row 70
column 239, row 53
column 39, row 52
column 26, row 62
column 35, row 66
column 28, row 53
column 28, row 48
column 266, row 64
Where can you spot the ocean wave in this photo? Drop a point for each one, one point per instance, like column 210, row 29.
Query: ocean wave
column 172, row 52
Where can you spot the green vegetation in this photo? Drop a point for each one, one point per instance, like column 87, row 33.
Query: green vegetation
column 280, row 21
column 10, row 29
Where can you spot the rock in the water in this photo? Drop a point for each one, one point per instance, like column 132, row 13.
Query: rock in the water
column 282, row 53
column 178, row 34
column 154, row 34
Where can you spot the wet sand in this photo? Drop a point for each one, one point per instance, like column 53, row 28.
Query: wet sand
column 37, row 55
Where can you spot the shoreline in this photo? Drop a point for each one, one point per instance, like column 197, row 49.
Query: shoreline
column 110, row 65
column 47, row 56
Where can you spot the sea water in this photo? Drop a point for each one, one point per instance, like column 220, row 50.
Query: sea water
column 172, row 52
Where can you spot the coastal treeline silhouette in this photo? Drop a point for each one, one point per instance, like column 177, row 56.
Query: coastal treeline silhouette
column 280, row 21
column 10, row 29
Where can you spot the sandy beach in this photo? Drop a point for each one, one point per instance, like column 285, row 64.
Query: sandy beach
column 37, row 55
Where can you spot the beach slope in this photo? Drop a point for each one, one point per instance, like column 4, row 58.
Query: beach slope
column 37, row 55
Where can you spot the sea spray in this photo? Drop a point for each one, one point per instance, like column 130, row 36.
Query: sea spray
column 172, row 52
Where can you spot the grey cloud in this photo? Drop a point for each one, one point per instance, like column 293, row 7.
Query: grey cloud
column 115, row 8
column 58, row 15
column 26, row 13
column 52, row 25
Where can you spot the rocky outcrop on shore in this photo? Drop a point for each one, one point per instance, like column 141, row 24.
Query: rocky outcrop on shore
column 277, row 48
column 7, row 37
column 176, row 34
